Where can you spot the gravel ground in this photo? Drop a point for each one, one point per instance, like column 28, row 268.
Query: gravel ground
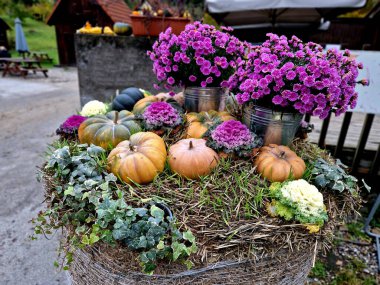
column 30, row 110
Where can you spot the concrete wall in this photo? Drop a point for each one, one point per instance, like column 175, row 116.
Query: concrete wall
column 107, row 63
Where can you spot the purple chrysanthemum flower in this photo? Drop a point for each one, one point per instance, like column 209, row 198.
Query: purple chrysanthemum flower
column 303, row 78
column 161, row 114
column 197, row 53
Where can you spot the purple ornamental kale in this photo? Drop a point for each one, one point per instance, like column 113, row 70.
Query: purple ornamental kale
column 73, row 122
column 70, row 125
column 232, row 134
column 161, row 114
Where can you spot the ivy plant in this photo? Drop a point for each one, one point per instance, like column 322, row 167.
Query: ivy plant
column 88, row 200
column 334, row 177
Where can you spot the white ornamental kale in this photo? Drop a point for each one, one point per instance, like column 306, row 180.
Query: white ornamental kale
column 298, row 200
column 93, row 108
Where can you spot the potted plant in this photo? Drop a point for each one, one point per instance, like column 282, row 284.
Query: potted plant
column 283, row 79
column 201, row 59
column 152, row 19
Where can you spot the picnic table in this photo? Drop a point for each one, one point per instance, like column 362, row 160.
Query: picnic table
column 22, row 66
column 42, row 57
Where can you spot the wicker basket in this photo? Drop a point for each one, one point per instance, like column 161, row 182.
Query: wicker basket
column 91, row 266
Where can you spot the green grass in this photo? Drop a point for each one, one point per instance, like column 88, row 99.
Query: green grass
column 319, row 270
column 39, row 36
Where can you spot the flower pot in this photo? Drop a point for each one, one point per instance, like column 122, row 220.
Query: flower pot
column 274, row 127
column 199, row 99
column 153, row 26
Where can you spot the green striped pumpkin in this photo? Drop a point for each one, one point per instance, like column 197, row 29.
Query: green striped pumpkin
column 108, row 130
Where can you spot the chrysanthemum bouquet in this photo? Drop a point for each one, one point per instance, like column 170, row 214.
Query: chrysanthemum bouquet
column 200, row 56
column 293, row 76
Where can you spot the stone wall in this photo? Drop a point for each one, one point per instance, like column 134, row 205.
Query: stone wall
column 107, row 63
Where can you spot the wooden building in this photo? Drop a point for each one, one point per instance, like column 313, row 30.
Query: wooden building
column 3, row 33
column 70, row 15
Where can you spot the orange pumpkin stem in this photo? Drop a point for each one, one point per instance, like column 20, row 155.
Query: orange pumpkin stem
column 282, row 154
column 191, row 145
column 116, row 117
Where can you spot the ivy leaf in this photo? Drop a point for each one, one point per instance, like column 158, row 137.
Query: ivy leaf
column 320, row 180
column 94, row 150
column 104, row 186
column 157, row 213
column 142, row 243
column 338, row 185
column 160, row 245
column 69, row 191
column 85, row 240
column 93, row 238
column 110, row 177
column 188, row 235
column 178, row 249
column 141, row 212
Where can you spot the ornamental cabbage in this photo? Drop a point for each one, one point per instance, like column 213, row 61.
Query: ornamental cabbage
column 70, row 126
column 161, row 115
column 298, row 200
column 93, row 108
column 232, row 137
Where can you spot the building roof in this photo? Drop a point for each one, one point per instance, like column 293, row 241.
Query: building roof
column 4, row 25
column 117, row 10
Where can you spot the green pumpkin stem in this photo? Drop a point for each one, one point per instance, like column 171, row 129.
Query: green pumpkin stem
column 116, row 117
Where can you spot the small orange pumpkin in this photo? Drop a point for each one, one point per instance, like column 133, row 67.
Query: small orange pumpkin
column 199, row 123
column 277, row 163
column 138, row 159
column 144, row 103
column 191, row 158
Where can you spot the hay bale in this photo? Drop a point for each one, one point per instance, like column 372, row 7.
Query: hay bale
column 94, row 266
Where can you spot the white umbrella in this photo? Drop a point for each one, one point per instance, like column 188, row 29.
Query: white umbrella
column 223, row 6
column 267, row 13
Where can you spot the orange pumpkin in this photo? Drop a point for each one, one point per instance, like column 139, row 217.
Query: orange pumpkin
column 144, row 103
column 199, row 123
column 178, row 97
column 278, row 163
column 138, row 159
column 191, row 158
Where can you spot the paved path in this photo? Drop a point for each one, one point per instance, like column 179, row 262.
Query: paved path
column 30, row 110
